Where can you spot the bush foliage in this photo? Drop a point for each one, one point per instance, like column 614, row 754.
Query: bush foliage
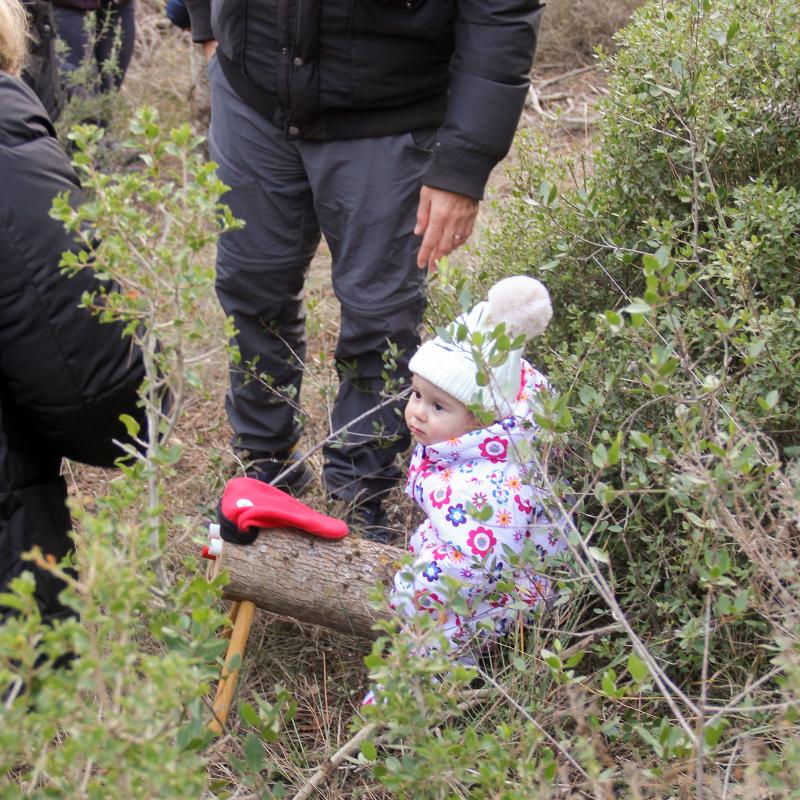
column 673, row 262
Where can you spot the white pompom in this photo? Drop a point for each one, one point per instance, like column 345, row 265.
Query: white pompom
column 523, row 303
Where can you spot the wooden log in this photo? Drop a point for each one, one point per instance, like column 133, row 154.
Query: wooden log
column 313, row 580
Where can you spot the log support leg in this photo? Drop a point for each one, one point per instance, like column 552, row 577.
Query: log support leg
column 242, row 614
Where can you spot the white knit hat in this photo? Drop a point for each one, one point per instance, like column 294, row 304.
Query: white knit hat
column 449, row 362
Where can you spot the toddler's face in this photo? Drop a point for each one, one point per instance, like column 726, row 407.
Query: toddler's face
column 434, row 416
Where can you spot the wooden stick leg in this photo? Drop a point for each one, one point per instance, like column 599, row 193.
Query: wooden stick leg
column 227, row 684
column 234, row 610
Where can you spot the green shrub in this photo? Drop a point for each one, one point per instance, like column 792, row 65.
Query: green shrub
column 673, row 268
column 127, row 718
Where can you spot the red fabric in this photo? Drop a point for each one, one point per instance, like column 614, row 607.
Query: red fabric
column 249, row 503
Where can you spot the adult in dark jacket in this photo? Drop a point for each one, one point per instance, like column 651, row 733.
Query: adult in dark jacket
column 375, row 122
column 41, row 71
column 65, row 378
column 111, row 37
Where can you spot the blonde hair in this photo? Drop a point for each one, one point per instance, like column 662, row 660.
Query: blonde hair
column 13, row 36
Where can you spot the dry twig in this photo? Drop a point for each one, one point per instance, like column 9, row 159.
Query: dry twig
column 330, row 764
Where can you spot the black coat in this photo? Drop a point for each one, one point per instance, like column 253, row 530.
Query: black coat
column 41, row 69
column 65, row 378
column 344, row 69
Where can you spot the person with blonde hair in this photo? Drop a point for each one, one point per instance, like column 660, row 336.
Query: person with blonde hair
column 13, row 36
column 65, row 378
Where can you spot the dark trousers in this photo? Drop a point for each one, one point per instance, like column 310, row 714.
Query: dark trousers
column 33, row 513
column 362, row 195
column 114, row 26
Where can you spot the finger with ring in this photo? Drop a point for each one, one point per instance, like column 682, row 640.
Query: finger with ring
column 458, row 235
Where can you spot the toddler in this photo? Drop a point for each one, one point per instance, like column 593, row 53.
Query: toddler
column 478, row 485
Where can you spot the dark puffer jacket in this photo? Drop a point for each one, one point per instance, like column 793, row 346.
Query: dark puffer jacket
column 88, row 5
column 345, row 69
column 65, row 378
column 41, row 70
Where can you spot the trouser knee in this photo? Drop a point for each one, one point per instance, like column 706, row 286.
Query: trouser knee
column 371, row 346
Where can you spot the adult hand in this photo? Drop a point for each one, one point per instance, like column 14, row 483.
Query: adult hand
column 209, row 48
column 445, row 221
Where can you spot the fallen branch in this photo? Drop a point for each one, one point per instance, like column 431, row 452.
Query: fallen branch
column 331, row 764
column 343, row 753
column 536, row 105
column 565, row 75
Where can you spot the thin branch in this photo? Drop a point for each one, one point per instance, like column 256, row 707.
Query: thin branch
column 571, row 73
column 330, row 764
column 732, row 704
column 699, row 754
column 537, row 106
column 333, row 435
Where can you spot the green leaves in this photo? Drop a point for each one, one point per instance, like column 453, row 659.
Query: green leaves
column 725, row 37
column 603, row 456
column 249, row 715
column 598, row 555
column 547, row 194
column 769, row 402
column 369, row 751
column 131, row 425
column 482, row 514
column 253, row 754
column 637, row 668
column 638, row 306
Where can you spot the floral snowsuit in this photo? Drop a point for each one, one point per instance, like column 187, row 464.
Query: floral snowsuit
column 449, row 480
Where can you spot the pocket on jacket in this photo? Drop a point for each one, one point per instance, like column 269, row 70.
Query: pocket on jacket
column 425, row 139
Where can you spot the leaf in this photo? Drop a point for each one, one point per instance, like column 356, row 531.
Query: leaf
column 720, row 37
column 695, row 520
column 613, row 453
column 548, row 193
column 733, row 29
column 369, row 751
column 638, row 306
column 603, row 492
column 609, row 683
column 772, row 398
column 588, row 395
column 479, row 514
column 650, row 262
column 637, row 668
column 465, row 298
column 254, row 753
column 598, row 555
column 614, row 319
column 249, row 715
column 713, row 733
column 131, row 425
column 600, row 456
column 641, row 439
column 575, row 659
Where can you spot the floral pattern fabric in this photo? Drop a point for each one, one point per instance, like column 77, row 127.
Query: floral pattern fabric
column 455, row 482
